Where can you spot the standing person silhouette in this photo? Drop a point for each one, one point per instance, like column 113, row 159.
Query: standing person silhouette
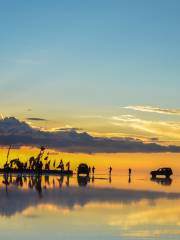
column 129, row 180
column 68, row 166
column 110, row 170
column 93, row 170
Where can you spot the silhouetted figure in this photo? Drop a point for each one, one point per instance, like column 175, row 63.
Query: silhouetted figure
column 89, row 170
column 54, row 164
column 68, row 166
column 61, row 165
column 25, row 165
column 110, row 170
column 93, row 170
column 31, row 163
column 47, row 165
column 129, row 171
column 6, row 166
column 18, row 164
column 38, row 166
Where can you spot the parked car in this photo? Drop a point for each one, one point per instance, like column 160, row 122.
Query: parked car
column 167, row 172
column 83, row 169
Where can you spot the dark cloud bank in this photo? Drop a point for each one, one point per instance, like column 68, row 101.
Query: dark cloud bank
column 13, row 131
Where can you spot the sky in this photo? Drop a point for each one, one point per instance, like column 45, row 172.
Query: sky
column 110, row 68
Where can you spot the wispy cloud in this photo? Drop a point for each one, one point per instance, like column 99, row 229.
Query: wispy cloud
column 21, row 61
column 36, row 119
column 167, row 111
column 168, row 129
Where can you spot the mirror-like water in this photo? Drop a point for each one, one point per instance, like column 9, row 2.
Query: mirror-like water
column 80, row 208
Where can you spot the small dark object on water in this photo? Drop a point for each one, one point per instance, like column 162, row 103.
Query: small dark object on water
column 167, row 172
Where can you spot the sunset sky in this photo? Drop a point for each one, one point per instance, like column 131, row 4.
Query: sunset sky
column 110, row 68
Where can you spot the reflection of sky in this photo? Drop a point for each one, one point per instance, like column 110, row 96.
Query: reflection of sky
column 86, row 212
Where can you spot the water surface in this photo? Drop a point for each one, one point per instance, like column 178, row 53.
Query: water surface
column 119, row 207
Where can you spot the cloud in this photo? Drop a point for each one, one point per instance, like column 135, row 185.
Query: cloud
column 36, row 119
column 151, row 109
column 69, row 129
column 168, row 129
column 15, row 132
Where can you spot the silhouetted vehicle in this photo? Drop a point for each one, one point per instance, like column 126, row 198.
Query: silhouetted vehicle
column 83, row 169
column 167, row 172
column 162, row 181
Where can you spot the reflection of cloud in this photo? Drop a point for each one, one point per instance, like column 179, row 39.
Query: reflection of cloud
column 30, row 211
column 15, row 132
column 138, row 220
column 71, row 197
column 155, row 110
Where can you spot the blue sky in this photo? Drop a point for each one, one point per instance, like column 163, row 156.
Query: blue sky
column 67, row 58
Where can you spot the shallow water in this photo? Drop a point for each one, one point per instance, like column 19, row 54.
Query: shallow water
column 100, row 208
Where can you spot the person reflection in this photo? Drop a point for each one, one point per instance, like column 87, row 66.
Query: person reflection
column 110, row 179
column 38, row 186
column 60, row 180
column 19, row 181
column 6, row 182
column 93, row 179
column 67, row 181
column 47, row 180
column 93, row 170
column 25, row 179
column 30, row 182
column 53, row 183
column 129, row 179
